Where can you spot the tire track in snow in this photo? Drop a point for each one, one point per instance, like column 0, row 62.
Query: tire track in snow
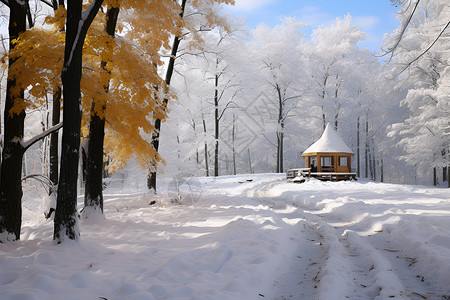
column 329, row 267
column 346, row 260
column 300, row 279
column 382, row 282
column 366, row 271
column 416, row 285
column 370, row 268
column 343, row 276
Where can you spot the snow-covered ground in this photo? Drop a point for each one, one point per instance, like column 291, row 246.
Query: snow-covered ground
column 242, row 237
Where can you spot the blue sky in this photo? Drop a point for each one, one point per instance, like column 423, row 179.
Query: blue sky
column 375, row 17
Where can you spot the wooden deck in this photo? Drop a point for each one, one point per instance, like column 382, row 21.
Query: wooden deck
column 292, row 174
column 334, row 176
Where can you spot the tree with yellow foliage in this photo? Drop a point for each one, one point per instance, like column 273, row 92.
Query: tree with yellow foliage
column 77, row 25
column 119, row 83
column 119, row 76
column 14, row 117
column 130, row 101
column 93, row 198
column 11, row 168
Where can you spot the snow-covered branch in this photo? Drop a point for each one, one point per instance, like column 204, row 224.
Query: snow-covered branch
column 403, row 30
column 32, row 141
column 52, row 5
column 87, row 16
column 427, row 49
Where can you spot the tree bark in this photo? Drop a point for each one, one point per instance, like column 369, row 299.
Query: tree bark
column 66, row 217
column 66, row 211
column 93, row 197
column 11, row 168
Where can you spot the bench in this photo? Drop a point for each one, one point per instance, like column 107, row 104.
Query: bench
column 293, row 173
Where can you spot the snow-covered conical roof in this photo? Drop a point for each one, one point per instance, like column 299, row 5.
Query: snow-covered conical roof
column 330, row 141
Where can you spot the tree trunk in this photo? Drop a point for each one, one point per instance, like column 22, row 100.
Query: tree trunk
column 93, row 193
column 45, row 143
column 448, row 177
column 370, row 163
column 151, row 180
column 250, row 162
column 234, row 150
column 280, row 142
column 358, row 150
column 366, row 150
column 337, row 104
column 444, row 174
column 11, row 168
column 206, row 149
column 280, row 131
column 56, row 118
column 435, row 180
column 374, row 162
column 324, row 121
column 54, row 137
column 381, row 171
column 24, row 165
column 216, row 125
column 66, row 217
column 93, row 197
column 197, row 154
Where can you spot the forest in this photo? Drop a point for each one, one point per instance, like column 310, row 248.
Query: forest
column 184, row 88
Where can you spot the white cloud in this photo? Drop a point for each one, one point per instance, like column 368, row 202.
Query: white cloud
column 250, row 5
column 366, row 22
column 313, row 16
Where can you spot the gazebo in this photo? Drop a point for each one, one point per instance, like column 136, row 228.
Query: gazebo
column 329, row 157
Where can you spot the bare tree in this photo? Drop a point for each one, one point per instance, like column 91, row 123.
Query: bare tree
column 284, row 106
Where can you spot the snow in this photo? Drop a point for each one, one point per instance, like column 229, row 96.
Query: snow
column 241, row 237
column 330, row 141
